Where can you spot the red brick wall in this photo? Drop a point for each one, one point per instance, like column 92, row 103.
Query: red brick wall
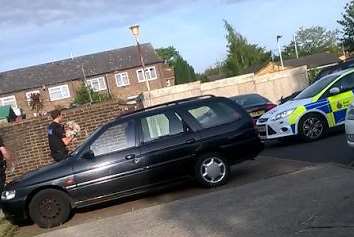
column 29, row 141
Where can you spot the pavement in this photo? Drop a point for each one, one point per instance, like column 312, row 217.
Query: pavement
column 314, row 201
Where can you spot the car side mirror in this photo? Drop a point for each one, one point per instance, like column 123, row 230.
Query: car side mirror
column 334, row 91
column 88, row 155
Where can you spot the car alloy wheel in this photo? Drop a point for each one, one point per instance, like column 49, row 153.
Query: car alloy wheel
column 312, row 128
column 213, row 170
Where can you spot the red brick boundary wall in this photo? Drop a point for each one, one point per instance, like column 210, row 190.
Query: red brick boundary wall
column 29, row 139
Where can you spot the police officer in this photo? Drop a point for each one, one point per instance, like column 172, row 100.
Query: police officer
column 5, row 156
column 57, row 138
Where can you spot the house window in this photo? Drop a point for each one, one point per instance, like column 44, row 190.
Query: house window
column 59, row 92
column 9, row 100
column 122, row 79
column 150, row 73
column 28, row 94
column 97, row 84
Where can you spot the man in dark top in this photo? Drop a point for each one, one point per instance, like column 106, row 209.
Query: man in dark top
column 4, row 156
column 56, row 137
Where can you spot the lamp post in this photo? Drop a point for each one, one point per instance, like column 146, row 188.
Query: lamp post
column 135, row 30
column 296, row 51
column 280, row 55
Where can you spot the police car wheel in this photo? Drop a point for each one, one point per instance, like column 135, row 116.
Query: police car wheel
column 312, row 127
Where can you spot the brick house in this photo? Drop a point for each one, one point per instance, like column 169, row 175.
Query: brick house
column 117, row 72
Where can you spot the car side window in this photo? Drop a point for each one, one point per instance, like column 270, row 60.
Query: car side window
column 347, row 82
column 214, row 114
column 160, row 125
column 116, row 138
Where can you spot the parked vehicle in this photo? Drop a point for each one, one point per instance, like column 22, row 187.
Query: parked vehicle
column 256, row 105
column 310, row 114
column 136, row 153
column 349, row 125
column 349, row 64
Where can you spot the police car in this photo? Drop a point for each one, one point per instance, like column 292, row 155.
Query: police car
column 310, row 114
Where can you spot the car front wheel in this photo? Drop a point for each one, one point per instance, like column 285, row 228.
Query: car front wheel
column 312, row 127
column 49, row 208
column 212, row 170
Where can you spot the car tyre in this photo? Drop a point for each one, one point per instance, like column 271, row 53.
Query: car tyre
column 312, row 127
column 49, row 208
column 212, row 170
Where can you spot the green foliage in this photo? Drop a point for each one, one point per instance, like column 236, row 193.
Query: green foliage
column 241, row 54
column 347, row 23
column 312, row 40
column 169, row 54
column 313, row 74
column 184, row 72
column 83, row 95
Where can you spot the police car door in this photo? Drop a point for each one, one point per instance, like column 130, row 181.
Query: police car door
column 340, row 97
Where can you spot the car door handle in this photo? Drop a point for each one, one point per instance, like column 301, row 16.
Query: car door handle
column 190, row 141
column 130, row 156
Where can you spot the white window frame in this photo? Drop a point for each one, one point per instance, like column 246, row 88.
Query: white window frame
column 121, row 74
column 7, row 98
column 97, row 79
column 29, row 93
column 61, row 87
column 148, row 71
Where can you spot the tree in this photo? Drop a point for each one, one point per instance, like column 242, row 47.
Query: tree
column 169, row 54
column 83, row 95
column 184, row 72
column 312, row 40
column 240, row 53
column 347, row 23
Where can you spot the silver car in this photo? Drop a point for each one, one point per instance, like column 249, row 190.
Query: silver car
column 349, row 125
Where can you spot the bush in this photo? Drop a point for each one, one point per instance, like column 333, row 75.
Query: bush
column 313, row 74
column 83, row 96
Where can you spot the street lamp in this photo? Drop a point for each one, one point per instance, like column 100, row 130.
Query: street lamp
column 135, row 30
column 280, row 55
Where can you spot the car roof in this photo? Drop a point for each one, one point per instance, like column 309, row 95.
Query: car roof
column 337, row 75
column 245, row 95
column 169, row 105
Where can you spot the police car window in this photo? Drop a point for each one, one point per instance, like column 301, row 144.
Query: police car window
column 347, row 82
column 316, row 87
column 115, row 138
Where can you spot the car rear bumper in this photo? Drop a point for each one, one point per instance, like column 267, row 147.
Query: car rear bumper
column 275, row 129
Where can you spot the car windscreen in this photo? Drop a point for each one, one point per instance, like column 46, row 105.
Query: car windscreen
column 78, row 148
column 317, row 87
column 247, row 101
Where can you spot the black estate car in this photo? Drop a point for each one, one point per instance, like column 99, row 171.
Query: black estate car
column 198, row 137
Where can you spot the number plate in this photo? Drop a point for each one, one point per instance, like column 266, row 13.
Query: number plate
column 261, row 129
column 257, row 113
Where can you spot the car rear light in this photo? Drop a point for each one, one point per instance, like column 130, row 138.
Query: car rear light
column 270, row 106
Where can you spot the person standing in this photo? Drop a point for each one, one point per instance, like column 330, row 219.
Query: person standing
column 5, row 157
column 57, row 139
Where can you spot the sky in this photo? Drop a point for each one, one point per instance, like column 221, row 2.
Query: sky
column 41, row 31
